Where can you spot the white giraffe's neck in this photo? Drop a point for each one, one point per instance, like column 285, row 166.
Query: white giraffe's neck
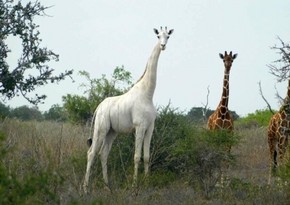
column 148, row 80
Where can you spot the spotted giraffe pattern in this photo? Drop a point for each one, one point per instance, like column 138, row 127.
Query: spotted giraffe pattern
column 279, row 130
column 221, row 119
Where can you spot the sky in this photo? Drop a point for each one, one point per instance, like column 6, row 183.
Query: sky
column 98, row 35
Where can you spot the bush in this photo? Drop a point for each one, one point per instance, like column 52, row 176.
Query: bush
column 203, row 155
column 30, row 188
column 258, row 119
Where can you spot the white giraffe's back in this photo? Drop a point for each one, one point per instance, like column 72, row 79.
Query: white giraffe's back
column 125, row 112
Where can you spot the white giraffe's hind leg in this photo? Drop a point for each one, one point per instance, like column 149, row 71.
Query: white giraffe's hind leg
column 93, row 150
column 91, row 156
column 104, row 153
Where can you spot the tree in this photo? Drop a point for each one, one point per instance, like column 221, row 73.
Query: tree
column 196, row 114
column 4, row 111
column 26, row 113
column 78, row 108
column 32, row 70
column 101, row 88
column 281, row 67
column 56, row 113
column 81, row 108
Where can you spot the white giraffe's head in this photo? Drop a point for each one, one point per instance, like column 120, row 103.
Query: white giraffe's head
column 163, row 36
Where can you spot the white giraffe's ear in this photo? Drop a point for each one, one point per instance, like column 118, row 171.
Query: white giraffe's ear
column 235, row 55
column 221, row 56
column 156, row 31
column 170, row 31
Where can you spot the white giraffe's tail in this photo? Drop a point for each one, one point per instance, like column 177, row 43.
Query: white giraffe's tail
column 90, row 139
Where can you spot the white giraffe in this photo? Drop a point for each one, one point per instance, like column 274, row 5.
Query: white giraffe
column 132, row 111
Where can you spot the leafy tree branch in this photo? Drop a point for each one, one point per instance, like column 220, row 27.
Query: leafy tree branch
column 17, row 19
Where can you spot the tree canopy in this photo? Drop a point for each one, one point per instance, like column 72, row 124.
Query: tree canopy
column 281, row 67
column 81, row 108
column 32, row 69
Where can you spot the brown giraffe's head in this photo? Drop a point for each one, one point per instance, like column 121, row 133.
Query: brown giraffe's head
column 228, row 59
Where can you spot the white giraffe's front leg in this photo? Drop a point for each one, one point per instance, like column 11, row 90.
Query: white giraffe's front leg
column 138, row 148
column 146, row 148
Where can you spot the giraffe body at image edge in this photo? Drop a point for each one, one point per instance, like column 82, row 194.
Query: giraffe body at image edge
column 278, row 131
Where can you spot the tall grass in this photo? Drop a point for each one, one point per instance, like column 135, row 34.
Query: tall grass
column 44, row 163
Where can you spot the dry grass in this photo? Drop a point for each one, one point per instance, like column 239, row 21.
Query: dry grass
column 60, row 150
column 252, row 156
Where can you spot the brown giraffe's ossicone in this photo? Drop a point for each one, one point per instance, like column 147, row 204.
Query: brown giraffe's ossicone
column 278, row 131
column 221, row 119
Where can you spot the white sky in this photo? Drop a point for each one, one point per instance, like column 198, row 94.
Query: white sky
column 98, row 35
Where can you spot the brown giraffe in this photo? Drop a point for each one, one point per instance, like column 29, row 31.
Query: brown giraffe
column 278, row 131
column 221, row 119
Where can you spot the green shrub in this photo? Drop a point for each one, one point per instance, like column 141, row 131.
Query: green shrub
column 258, row 119
column 32, row 188
column 203, row 155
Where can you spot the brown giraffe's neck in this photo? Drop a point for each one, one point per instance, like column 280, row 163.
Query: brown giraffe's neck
column 225, row 94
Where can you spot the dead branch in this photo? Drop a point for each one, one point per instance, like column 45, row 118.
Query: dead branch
column 278, row 96
column 263, row 97
column 205, row 108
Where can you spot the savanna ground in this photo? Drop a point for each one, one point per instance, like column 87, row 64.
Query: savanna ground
column 44, row 163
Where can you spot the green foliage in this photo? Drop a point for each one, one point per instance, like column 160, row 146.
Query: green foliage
column 4, row 111
column 197, row 114
column 121, row 162
column 101, row 88
column 55, row 113
column 44, row 163
column 203, row 155
column 283, row 171
column 80, row 108
column 259, row 118
column 200, row 115
column 161, row 178
column 17, row 19
column 31, row 189
column 26, row 113
column 170, row 126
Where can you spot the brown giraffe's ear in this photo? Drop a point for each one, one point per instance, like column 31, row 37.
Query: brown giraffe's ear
column 235, row 55
column 221, row 56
